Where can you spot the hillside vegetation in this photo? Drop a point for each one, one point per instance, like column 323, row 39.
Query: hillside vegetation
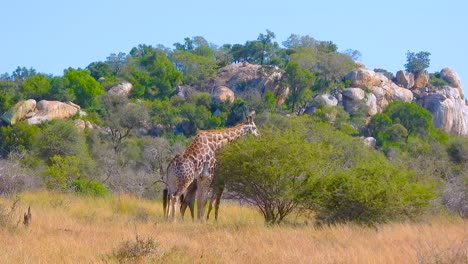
column 311, row 157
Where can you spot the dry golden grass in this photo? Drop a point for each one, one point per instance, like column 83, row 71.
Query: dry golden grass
column 75, row 229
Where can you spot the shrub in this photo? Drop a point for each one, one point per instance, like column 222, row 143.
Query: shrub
column 89, row 187
column 261, row 171
column 62, row 171
column 19, row 137
column 436, row 81
column 371, row 192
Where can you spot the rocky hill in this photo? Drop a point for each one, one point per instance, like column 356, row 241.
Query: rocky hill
column 369, row 89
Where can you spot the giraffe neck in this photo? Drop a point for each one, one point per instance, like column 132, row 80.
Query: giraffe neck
column 220, row 138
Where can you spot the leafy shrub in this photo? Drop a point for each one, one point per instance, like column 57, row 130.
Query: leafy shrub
column 19, row 137
column 61, row 172
column 303, row 163
column 436, row 81
column 400, row 120
column 89, row 187
column 368, row 193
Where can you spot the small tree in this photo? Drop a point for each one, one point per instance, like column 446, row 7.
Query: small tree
column 267, row 171
column 122, row 117
column 300, row 80
column 417, row 62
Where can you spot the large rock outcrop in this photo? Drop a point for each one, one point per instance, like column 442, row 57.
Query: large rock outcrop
column 121, row 89
column 19, row 111
column 50, row 110
column 222, row 94
column 452, row 78
column 421, row 80
column 245, row 79
column 405, row 79
column 383, row 89
column 326, row 99
column 448, row 108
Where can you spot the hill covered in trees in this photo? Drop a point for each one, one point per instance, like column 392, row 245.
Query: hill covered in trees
column 130, row 114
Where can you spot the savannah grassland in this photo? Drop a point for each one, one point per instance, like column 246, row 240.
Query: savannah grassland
column 67, row 228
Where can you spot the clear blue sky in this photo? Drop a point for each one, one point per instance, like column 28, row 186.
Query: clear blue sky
column 52, row 35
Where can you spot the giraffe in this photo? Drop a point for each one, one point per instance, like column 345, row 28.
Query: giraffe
column 197, row 163
column 189, row 200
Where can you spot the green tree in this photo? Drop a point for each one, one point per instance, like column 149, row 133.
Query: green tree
column 197, row 70
column 99, row 70
column 116, row 63
column 154, row 75
column 21, row 74
column 417, row 62
column 196, row 117
column 267, row 44
column 36, row 87
column 9, row 94
column 60, row 91
column 122, row 117
column 84, row 87
column 267, row 172
column 299, row 80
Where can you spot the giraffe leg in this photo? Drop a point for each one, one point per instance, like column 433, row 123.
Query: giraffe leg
column 189, row 200
column 183, row 206
column 210, row 206
column 173, row 204
column 219, row 193
column 201, row 197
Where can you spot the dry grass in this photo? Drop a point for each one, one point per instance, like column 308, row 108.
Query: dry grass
column 73, row 229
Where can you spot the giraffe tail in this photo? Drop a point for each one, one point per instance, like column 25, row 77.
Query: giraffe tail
column 165, row 198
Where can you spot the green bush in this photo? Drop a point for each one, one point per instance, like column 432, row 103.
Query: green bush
column 89, row 187
column 61, row 171
column 371, row 192
column 19, row 137
column 436, row 81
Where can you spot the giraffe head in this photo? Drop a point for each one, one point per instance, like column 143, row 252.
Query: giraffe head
column 250, row 126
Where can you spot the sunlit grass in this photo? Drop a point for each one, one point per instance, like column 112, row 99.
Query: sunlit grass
column 68, row 228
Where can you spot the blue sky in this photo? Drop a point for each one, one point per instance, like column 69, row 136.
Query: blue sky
column 52, row 35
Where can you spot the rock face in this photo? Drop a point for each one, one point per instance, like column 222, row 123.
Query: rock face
column 355, row 99
column 421, row 80
column 50, row 110
column 19, row 112
column 222, row 94
column 448, row 108
column 405, row 79
column 121, row 89
column 382, row 89
column 452, row 78
column 245, row 78
column 362, row 78
column 82, row 124
column 327, row 99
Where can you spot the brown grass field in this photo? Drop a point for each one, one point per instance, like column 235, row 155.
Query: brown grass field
column 67, row 228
